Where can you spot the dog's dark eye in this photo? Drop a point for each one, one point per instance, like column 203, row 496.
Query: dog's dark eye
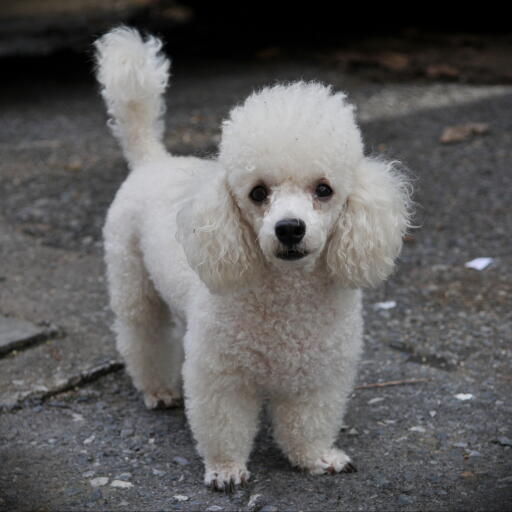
column 258, row 194
column 323, row 190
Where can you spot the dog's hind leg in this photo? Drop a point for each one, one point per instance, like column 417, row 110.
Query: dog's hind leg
column 147, row 335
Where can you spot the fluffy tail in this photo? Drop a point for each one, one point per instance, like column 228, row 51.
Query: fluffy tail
column 133, row 75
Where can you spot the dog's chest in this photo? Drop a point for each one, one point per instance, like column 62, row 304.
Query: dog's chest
column 289, row 337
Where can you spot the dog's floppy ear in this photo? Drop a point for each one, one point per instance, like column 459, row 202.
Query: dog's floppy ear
column 218, row 243
column 368, row 236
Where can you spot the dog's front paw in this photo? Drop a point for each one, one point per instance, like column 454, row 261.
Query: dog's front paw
column 333, row 461
column 224, row 477
column 162, row 398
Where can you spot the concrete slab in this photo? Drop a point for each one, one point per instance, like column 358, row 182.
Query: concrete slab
column 53, row 287
column 16, row 333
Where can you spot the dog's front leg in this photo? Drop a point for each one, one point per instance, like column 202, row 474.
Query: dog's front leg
column 306, row 427
column 223, row 414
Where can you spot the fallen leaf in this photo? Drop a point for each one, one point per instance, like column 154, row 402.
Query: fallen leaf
column 269, row 53
column 462, row 132
column 441, row 71
column 393, row 61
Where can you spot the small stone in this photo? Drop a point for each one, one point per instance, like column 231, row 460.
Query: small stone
column 88, row 474
column 57, row 403
column 381, row 481
column 403, row 499
column 214, row 508
column 409, row 476
column 474, row 453
column 255, row 502
column 158, row 472
column 418, row 429
column 181, row 497
column 77, row 417
column 121, row 484
column 126, row 432
column 96, row 494
column 124, row 476
column 269, row 508
column 375, row 400
column 90, row 439
column 99, row 481
column 460, row 445
column 504, row 441
column 181, row 461
column 353, row 432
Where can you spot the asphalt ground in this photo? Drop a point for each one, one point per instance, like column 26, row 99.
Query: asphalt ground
column 70, row 422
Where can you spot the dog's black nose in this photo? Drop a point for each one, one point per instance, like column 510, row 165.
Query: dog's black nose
column 290, row 231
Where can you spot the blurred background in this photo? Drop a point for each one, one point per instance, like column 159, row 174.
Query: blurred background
column 452, row 44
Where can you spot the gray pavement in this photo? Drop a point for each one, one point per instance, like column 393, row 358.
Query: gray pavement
column 71, row 425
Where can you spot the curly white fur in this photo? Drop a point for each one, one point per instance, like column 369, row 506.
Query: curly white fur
column 133, row 75
column 195, row 268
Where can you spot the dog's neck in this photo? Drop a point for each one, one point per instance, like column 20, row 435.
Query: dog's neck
column 290, row 285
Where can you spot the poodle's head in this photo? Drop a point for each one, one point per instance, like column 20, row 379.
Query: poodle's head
column 296, row 192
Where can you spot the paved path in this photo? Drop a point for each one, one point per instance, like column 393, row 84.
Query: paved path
column 70, row 423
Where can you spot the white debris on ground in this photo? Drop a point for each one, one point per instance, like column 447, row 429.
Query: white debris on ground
column 99, row 481
column 479, row 263
column 90, row 439
column 181, row 497
column 121, row 484
column 464, row 396
column 389, row 304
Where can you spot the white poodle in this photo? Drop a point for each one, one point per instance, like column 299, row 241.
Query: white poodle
column 242, row 274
